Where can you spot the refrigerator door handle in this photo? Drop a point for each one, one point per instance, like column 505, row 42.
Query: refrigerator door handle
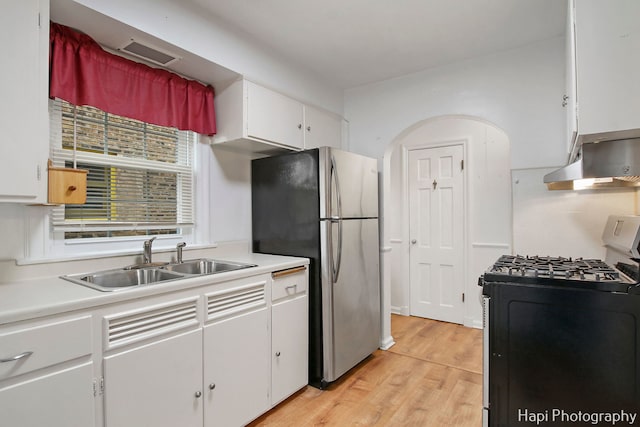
column 334, row 178
column 336, row 270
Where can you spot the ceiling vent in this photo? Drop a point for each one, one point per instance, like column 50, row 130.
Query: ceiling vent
column 148, row 53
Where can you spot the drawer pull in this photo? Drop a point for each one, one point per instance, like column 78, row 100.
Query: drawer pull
column 17, row 357
column 291, row 288
column 282, row 273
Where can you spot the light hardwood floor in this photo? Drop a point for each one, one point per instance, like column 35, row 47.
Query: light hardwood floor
column 432, row 376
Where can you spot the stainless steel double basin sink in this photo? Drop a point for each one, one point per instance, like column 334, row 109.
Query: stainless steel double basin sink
column 149, row 274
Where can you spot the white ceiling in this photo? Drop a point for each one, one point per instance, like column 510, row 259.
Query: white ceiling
column 354, row 42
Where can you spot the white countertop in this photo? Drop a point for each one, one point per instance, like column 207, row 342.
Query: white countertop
column 27, row 299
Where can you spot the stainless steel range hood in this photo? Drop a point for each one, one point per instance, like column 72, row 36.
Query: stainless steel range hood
column 603, row 164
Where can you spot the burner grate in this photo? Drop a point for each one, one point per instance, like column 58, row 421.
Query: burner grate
column 559, row 268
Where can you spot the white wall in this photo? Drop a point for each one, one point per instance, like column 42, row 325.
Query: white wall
column 226, row 180
column 487, row 231
column 520, row 91
column 562, row 223
column 185, row 25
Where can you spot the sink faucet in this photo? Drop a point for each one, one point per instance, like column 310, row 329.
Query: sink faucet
column 179, row 247
column 147, row 250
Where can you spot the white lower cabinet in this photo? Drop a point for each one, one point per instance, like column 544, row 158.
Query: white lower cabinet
column 289, row 363
column 236, row 369
column 59, row 399
column 218, row 355
column 290, row 333
column 192, row 359
column 46, row 373
column 159, row 384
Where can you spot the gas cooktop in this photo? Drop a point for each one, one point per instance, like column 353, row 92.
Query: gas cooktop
column 558, row 271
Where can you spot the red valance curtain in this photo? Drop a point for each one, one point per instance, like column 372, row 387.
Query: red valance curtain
column 82, row 73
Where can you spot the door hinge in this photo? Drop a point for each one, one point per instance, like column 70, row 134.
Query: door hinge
column 461, row 165
column 463, row 297
column 98, row 387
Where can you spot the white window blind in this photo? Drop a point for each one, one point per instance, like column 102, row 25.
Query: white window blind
column 140, row 175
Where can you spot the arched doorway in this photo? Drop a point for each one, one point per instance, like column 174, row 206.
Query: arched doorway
column 486, row 206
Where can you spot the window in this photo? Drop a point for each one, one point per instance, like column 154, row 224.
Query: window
column 140, row 178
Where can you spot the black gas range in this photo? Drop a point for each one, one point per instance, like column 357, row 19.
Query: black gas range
column 578, row 273
column 562, row 335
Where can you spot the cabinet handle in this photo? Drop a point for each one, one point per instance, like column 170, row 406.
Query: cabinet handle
column 17, row 357
column 212, row 386
column 282, row 273
column 277, row 354
column 198, row 394
column 308, row 128
column 299, row 125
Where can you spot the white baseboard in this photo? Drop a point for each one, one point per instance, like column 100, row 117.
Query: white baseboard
column 473, row 323
column 403, row 311
column 387, row 343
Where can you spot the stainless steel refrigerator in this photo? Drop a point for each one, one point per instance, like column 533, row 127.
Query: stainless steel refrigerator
column 323, row 204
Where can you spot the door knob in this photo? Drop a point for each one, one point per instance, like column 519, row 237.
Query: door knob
column 414, row 241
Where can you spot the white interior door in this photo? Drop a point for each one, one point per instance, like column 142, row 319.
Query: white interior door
column 436, row 232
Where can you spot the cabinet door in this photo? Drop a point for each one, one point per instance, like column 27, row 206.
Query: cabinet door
column 156, row 384
column 236, row 369
column 60, row 399
column 321, row 128
column 569, row 100
column 290, row 336
column 608, row 59
column 23, row 110
column 274, row 117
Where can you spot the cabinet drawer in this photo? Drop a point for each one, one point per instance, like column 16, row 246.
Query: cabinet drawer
column 289, row 282
column 43, row 344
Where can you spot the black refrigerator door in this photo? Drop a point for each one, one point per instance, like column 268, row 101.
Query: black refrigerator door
column 285, row 221
column 285, row 204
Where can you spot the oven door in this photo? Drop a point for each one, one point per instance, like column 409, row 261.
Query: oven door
column 560, row 348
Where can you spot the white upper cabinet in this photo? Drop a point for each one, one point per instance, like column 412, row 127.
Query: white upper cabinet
column 274, row 117
column 321, row 128
column 569, row 99
column 23, row 111
column 253, row 118
column 607, row 59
